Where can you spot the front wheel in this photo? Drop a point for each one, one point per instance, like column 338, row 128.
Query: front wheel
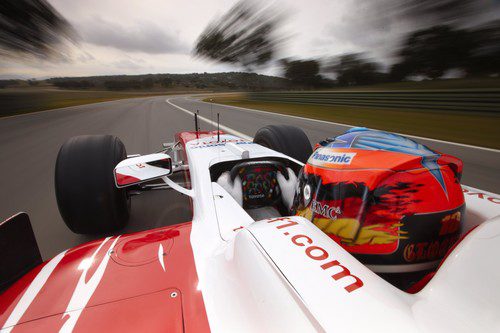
column 87, row 197
column 286, row 139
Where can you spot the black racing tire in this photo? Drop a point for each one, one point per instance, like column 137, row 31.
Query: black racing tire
column 286, row 139
column 87, row 197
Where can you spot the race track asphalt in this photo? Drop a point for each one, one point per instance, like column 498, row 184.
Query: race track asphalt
column 29, row 146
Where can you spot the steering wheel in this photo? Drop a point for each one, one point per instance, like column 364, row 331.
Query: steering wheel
column 259, row 183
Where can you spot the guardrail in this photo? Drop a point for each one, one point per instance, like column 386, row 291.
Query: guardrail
column 452, row 100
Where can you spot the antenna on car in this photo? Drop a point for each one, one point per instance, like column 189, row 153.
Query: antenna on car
column 196, row 123
column 218, row 131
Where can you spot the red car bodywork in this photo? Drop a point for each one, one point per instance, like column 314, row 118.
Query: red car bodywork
column 149, row 284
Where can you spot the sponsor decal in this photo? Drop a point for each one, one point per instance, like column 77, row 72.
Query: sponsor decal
column 428, row 251
column 325, row 210
column 365, row 139
column 438, row 233
column 450, row 224
column 449, row 232
column 317, row 253
column 333, row 158
column 482, row 196
column 256, row 196
column 337, row 210
column 210, row 144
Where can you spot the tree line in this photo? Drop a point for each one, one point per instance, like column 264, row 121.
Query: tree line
column 428, row 53
column 246, row 37
column 211, row 81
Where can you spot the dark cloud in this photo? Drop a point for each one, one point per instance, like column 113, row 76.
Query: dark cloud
column 144, row 37
column 365, row 32
column 378, row 27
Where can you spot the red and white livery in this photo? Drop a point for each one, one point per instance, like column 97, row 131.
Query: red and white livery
column 226, row 271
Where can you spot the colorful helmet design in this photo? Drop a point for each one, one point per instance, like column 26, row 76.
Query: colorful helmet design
column 393, row 203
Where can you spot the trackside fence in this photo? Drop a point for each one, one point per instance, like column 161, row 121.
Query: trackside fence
column 452, row 100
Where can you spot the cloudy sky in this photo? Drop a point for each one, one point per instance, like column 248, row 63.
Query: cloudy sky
column 157, row 36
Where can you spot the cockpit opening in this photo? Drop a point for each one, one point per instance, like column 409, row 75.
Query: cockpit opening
column 265, row 188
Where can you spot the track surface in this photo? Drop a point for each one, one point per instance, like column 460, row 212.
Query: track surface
column 29, row 146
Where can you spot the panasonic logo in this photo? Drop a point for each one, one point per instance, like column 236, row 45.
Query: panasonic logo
column 334, row 158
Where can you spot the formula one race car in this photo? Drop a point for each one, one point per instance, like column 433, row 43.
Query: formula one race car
column 370, row 231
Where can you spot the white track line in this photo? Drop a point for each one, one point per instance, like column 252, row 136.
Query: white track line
column 234, row 132
column 350, row 126
column 213, row 123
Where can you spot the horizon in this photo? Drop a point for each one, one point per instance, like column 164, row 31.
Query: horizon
column 140, row 74
column 157, row 36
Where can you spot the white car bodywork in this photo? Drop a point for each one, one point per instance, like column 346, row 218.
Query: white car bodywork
column 285, row 275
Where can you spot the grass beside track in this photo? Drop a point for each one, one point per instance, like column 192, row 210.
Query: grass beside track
column 480, row 129
column 20, row 101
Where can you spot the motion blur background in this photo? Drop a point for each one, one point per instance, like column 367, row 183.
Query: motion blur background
column 351, row 42
column 398, row 65
column 427, row 68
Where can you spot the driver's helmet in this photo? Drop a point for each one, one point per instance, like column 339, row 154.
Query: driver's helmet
column 393, row 203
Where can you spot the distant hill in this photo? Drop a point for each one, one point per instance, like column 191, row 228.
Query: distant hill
column 151, row 82
column 228, row 81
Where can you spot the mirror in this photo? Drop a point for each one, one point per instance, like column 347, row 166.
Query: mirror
column 135, row 170
column 19, row 249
